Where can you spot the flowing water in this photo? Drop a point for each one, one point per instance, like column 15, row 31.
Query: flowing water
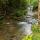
column 27, row 25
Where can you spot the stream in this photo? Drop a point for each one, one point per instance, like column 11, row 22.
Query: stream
column 24, row 27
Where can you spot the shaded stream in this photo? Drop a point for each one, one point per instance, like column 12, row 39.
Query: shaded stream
column 23, row 27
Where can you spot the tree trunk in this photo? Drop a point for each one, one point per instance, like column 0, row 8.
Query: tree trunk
column 38, row 11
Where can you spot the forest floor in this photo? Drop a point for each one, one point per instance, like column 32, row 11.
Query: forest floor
column 36, row 35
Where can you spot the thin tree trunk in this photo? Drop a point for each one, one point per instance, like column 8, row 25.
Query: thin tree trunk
column 38, row 11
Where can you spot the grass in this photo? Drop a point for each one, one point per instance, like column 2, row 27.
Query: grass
column 36, row 32
column 36, row 36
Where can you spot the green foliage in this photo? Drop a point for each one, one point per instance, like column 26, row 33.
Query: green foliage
column 27, row 37
column 17, row 4
column 34, row 3
column 35, row 28
column 36, row 36
column 16, row 7
column 36, row 32
column 20, row 13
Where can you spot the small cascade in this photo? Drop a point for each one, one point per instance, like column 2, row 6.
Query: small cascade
column 30, row 13
column 27, row 25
